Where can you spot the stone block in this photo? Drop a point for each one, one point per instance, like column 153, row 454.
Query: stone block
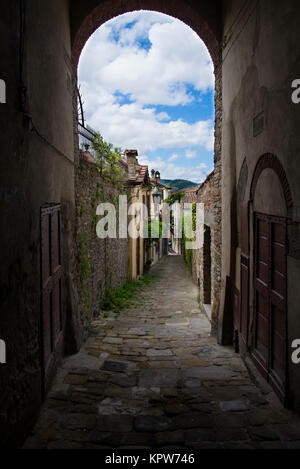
column 152, row 424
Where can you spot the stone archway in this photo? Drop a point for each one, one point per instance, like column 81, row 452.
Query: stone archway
column 270, row 161
column 205, row 20
column 271, row 200
column 85, row 20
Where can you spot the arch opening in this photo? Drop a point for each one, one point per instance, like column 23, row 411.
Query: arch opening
column 270, row 161
column 208, row 29
column 86, row 22
column 141, row 90
column 271, row 198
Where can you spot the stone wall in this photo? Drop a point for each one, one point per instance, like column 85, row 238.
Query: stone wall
column 210, row 193
column 205, row 264
column 216, row 200
column 103, row 263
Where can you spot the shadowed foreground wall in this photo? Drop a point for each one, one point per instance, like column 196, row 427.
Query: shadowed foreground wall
column 260, row 62
column 36, row 169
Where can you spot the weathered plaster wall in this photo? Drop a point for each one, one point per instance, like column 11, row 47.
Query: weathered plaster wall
column 36, row 168
column 137, row 195
column 260, row 61
column 269, row 197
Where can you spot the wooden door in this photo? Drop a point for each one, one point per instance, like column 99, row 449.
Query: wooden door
column 270, row 322
column 245, row 264
column 51, row 292
column 278, row 320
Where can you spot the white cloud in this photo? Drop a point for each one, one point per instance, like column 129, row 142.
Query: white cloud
column 169, row 170
column 143, row 22
column 131, row 125
column 173, row 157
column 160, row 75
column 189, row 154
column 114, row 64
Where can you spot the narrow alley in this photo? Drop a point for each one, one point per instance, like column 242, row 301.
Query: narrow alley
column 154, row 377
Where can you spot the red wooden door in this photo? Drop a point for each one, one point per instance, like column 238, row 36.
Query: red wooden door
column 51, row 292
column 270, row 328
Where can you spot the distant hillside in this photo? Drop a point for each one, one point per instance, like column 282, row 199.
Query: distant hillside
column 178, row 184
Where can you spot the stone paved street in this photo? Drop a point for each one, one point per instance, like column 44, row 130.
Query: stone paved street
column 154, row 377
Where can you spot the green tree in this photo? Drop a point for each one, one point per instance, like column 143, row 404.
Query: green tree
column 108, row 158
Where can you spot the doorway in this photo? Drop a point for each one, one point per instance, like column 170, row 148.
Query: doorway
column 270, row 298
column 207, row 266
column 51, row 292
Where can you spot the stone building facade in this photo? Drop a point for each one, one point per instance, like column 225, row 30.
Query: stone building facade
column 160, row 192
column 139, row 186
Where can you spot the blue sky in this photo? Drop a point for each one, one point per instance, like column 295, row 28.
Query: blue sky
column 147, row 83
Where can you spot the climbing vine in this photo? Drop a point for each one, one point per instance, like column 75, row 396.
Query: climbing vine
column 173, row 198
column 85, row 272
column 105, row 183
column 108, row 159
column 189, row 222
column 194, row 216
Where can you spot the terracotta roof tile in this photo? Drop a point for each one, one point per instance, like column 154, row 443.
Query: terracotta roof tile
column 142, row 175
column 187, row 191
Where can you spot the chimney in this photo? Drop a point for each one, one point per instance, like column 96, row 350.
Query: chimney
column 131, row 159
column 157, row 176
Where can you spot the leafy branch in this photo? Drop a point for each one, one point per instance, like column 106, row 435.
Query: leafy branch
column 108, row 158
column 173, row 198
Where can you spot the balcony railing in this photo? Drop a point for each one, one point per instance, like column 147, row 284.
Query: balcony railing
column 86, row 134
column 85, row 137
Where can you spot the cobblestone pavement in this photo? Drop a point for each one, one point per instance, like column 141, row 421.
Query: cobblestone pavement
column 154, row 377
